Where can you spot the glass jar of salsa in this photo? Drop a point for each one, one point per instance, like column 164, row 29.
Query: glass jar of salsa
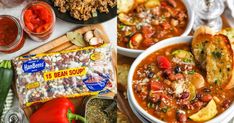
column 12, row 35
column 38, row 20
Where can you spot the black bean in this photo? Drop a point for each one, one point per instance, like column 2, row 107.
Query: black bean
column 150, row 75
column 207, row 90
column 177, row 69
column 184, row 95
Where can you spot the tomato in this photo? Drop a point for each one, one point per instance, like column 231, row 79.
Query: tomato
column 36, row 21
column 148, row 42
column 147, row 31
column 46, row 16
column 206, row 98
column 156, row 86
column 166, row 25
column 165, row 96
column 163, row 4
column 27, row 15
column 163, row 62
column 30, row 26
column 37, row 18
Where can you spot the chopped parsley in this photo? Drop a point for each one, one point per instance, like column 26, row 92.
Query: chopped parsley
column 216, row 54
column 121, row 26
column 164, row 109
column 151, row 105
column 191, row 72
column 217, row 82
column 187, row 60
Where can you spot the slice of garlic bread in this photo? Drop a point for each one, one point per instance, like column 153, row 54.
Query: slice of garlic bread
column 202, row 37
column 124, row 6
column 215, row 55
column 229, row 32
column 219, row 60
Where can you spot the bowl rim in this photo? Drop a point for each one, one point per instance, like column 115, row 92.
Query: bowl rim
column 186, row 32
column 152, row 49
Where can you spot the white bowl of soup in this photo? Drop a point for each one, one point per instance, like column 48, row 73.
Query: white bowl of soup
column 165, row 84
column 145, row 25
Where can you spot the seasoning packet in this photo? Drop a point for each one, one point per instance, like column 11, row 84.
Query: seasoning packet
column 74, row 73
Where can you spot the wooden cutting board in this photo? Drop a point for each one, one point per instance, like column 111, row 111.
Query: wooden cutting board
column 60, row 44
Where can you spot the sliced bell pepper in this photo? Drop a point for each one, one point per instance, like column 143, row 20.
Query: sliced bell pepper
column 59, row 110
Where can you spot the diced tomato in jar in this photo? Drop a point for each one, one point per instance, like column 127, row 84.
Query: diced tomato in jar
column 38, row 18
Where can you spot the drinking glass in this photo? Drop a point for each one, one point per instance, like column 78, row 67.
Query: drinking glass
column 208, row 13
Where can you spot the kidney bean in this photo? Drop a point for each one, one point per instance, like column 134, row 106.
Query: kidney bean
column 184, row 95
column 181, row 117
column 187, row 106
column 226, row 103
column 167, row 73
column 177, row 76
column 206, row 98
column 172, row 3
column 198, row 104
column 155, row 98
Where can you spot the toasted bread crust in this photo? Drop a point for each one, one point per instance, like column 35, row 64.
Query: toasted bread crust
column 202, row 36
column 124, row 6
column 219, row 60
column 215, row 55
column 199, row 45
column 229, row 32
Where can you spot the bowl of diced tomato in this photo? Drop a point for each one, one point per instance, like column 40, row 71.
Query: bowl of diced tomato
column 38, row 20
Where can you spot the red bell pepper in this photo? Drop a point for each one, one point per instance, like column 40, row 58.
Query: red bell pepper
column 59, row 110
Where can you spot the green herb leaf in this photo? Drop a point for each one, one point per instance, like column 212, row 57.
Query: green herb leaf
column 164, row 109
column 216, row 54
column 121, row 26
column 191, row 72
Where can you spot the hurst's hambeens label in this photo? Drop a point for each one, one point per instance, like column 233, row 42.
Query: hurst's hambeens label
column 42, row 77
